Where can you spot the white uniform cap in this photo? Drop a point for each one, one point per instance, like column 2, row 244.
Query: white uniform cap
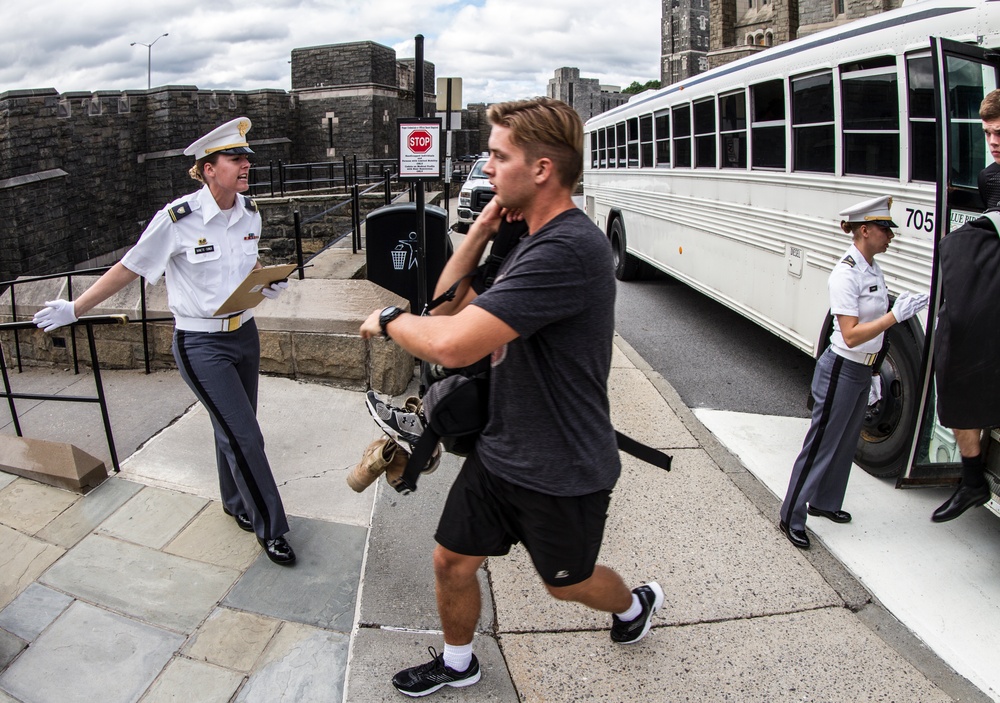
column 875, row 210
column 229, row 138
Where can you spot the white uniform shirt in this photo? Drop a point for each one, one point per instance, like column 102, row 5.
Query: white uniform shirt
column 857, row 289
column 205, row 254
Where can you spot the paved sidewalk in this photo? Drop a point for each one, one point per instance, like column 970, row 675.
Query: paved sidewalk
column 144, row 590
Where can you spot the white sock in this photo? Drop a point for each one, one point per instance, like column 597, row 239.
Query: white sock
column 633, row 612
column 458, row 657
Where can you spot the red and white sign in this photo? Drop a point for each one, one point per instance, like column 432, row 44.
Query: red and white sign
column 420, row 149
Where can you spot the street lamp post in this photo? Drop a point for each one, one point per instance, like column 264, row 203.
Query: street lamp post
column 149, row 58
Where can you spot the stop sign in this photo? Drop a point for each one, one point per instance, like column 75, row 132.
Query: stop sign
column 420, row 141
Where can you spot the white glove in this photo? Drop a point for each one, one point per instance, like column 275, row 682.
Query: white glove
column 274, row 290
column 57, row 314
column 909, row 304
column 875, row 392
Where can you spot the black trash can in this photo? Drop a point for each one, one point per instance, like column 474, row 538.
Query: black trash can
column 391, row 249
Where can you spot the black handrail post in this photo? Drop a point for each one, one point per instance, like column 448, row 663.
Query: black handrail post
column 354, row 169
column 281, row 178
column 356, row 218
column 72, row 331
column 298, row 243
column 347, row 184
column 6, row 388
column 388, row 187
column 145, row 325
column 270, row 175
column 17, row 340
column 309, row 176
column 96, row 366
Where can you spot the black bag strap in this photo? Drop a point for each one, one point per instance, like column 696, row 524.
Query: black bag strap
column 423, row 453
column 643, row 452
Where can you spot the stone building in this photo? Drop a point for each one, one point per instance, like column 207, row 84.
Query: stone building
column 81, row 173
column 702, row 34
column 585, row 95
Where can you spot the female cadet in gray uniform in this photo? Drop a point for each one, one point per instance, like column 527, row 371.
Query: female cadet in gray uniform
column 843, row 381
column 206, row 244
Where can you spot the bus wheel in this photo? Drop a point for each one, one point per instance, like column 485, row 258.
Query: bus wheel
column 889, row 425
column 626, row 266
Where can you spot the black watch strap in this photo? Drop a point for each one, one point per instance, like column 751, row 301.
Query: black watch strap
column 386, row 316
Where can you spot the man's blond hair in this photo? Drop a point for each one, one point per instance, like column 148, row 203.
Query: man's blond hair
column 545, row 128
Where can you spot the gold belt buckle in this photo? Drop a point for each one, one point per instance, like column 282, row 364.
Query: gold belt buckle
column 870, row 359
column 233, row 323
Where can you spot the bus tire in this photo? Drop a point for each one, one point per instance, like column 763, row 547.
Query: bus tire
column 627, row 267
column 887, row 433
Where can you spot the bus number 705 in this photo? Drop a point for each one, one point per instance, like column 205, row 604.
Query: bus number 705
column 920, row 219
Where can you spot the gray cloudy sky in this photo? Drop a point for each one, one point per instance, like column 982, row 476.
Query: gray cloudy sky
column 502, row 49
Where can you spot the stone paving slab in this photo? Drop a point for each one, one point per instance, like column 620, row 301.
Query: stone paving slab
column 153, row 517
column 302, row 665
column 130, row 655
column 232, row 639
column 213, row 537
column 22, row 560
column 83, row 517
column 158, row 588
column 639, row 411
column 819, row 655
column 10, row 646
column 377, row 654
column 187, row 680
column 32, row 611
column 321, row 589
column 28, row 506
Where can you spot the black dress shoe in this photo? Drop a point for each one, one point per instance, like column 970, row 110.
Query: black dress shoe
column 278, row 550
column 242, row 519
column 962, row 499
column 797, row 537
column 835, row 515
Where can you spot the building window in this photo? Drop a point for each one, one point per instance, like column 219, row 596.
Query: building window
column 733, row 130
column 812, row 123
column 767, row 125
column 870, row 112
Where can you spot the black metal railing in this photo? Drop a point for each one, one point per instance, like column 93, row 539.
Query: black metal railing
column 277, row 179
column 100, row 399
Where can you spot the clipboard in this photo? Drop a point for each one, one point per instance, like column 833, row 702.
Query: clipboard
column 247, row 294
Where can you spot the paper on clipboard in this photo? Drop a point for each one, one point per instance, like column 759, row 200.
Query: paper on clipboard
column 247, row 294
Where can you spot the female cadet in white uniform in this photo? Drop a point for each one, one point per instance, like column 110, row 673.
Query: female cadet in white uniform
column 843, row 377
column 206, row 244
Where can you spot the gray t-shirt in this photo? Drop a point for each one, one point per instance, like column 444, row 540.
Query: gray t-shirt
column 549, row 428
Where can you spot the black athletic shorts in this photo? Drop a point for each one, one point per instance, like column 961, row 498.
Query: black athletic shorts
column 484, row 515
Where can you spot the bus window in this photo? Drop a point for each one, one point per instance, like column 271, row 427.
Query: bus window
column 612, row 159
column 704, row 133
column 633, row 142
column 923, row 132
column 733, row 130
column 646, row 140
column 968, row 143
column 870, row 105
column 593, row 150
column 767, row 124
column 602, row 148
column 812, row 123
column 622, row 143
column 663, row 139
column 682, row 136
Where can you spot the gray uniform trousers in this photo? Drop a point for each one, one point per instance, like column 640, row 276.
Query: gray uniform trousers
column 222, row 369
column 819, row 476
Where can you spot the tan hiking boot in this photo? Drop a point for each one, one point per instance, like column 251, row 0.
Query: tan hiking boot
column 377, row 457
column 394, row 472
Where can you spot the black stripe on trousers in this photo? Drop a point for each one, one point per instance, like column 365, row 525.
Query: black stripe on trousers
column 824, row 419
column 241, row 462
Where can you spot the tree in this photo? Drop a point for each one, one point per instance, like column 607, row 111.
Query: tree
column 635, row 87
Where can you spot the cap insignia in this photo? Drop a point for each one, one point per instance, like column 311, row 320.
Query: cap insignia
column 244, row 127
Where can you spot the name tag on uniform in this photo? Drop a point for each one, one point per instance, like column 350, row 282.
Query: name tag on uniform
column 873, row 289
column 204, row 250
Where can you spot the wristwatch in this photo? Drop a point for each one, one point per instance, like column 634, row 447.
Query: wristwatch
column 386, row 316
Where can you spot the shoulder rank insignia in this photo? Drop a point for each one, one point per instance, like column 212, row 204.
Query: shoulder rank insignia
column 849, row 260
column 179, row 211
column 250, row 203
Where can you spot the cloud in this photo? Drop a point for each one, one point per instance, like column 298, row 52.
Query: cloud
column 502, row 49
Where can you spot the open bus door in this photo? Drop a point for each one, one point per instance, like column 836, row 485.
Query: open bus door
column 963, row 75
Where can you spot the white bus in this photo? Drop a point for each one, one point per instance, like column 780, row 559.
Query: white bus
column 730, row 182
